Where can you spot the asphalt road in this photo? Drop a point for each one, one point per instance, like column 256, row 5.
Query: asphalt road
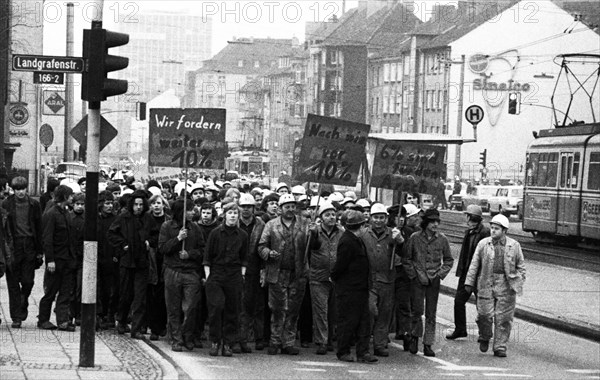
column 534, row 352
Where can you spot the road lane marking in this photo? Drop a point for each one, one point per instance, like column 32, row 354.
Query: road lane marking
column 310, row 369
column 505, row 375
column 219, row 366
column 358, row 371
column 449, row 366
column 451, row 374
column 584, row 371
column 322, row 364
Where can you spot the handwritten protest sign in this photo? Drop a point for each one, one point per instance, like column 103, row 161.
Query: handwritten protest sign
column 331, row 151
column 408, row 166
column 193, row 137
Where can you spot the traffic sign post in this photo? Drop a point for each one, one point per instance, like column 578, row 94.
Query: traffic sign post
column 474, row 114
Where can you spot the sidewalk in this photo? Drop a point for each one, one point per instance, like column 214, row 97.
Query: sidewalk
column 32, row 353
column 560, row 298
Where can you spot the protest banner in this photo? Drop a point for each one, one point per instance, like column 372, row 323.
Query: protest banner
column 331, row 151
column 408, row 166
column 193, row 138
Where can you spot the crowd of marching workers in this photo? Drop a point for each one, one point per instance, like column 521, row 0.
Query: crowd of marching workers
column 200, row 263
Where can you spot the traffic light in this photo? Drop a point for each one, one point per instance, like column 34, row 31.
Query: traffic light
column 514, row 103
column 96, row 86
column 483, row 158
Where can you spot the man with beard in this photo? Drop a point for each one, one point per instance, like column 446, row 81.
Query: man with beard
column 282, row 245
column 25, row 223
column 429, row 261
column 129, row 236
column 60, row 262
column 181, row 273
column 108, row 263
column 321, row 260
column 473, row 235
column 253, row 305
column 225, row 264
column 380, row 241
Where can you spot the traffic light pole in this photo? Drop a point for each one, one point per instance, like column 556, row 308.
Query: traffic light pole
column 87, row 340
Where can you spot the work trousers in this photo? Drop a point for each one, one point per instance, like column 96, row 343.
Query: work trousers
column 498, row 309
column 156, row 311
column 253, row 309
column 323, row 310
column 59, row 286
column 19, row 278
column 108, row 291
column 425, row 297
column 223, row 298
column 201, row 312
column 181, row 294
column 402, row 297
column 75, row 310
column 382, row 297
column 285, row 298
column 460, row 301
column 133, row 283
column 353, row 322
column 305, row 319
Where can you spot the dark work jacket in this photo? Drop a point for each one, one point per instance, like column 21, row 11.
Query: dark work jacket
column 128, row 230
column 106, row 252
column 351, row 271
column 77, row 229
column 169, row 246
column 6, row 242
column 57, row 237
column 35, row 219
column 226, row 250
column 470, row 241
column 207, row 228
column 255, row 263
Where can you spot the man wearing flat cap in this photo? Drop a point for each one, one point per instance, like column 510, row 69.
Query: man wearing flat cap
column 429, row 261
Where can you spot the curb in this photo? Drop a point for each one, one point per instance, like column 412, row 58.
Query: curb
column 180, row 373
column 552, row 322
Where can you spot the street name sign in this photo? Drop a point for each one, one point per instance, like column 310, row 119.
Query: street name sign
column 47, row 63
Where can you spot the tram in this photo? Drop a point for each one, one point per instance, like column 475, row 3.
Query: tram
column 562, row 186
column 248, row 161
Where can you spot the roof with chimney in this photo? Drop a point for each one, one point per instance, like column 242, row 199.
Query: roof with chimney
column 249, row 50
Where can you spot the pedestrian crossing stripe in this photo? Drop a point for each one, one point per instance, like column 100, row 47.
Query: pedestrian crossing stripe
column 310, row 369
column 321, row 364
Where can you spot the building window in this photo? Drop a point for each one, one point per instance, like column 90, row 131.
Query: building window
column 438, row 103
column 393, row 72
column 386, row 72
column 256, row 64
column 386, row 104
column 241, row 63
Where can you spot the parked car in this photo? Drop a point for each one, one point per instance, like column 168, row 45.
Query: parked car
column 506, row 200
column 479, row 196
column 70, row 170
column 426, row 201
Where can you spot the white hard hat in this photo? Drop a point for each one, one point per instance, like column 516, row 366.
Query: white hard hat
column 154, row 190
column 378, row 208
column 302, row 198
column 350, row 194
column 500, row 220
column 347, row 200
column 315, row 200
column 286, row 198
column 196, row 186
column 411, row 210
column 180, row 186
column 336, row 197
column 102, row 186
column 324, row 206
column 300, row 190
column 126, row 191
column 246, row 200
column 281, row 185
column 363, row 203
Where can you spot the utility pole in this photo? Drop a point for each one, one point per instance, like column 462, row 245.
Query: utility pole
column 460, row 114
column 5, row 14
column 68, row 140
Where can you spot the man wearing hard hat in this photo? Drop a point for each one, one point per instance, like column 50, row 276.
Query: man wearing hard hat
column 282, row 246
column 474, row 234
column 498, row 271
column 380, row 242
